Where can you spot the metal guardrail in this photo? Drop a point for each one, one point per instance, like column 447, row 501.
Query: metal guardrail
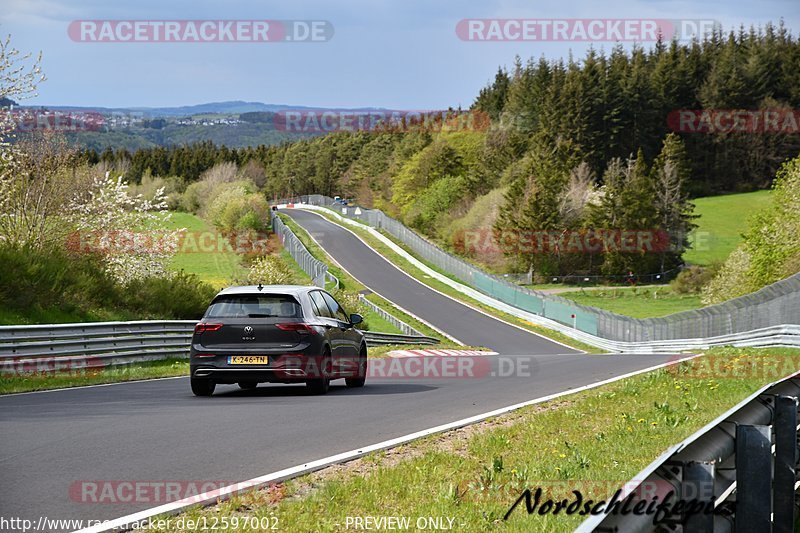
column 316, row 269
column 382, row 339
column 775, row 305
column 94, row 344
column 743, row 465
column 333, row 279
column 54, row 346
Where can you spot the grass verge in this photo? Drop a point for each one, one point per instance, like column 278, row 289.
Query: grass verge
column 636, row 302
column 591, row 441
column 94, row 376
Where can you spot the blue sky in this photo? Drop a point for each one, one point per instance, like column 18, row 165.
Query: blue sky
column 400, row 54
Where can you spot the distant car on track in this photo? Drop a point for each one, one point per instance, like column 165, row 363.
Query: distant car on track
column 277, row 334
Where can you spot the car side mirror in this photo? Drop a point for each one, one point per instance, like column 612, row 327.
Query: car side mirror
column 355, row 318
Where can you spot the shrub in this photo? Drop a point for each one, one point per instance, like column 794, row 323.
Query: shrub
column 194, row 196
column 172, row 187
column 269, row 270
column 731, row 281
column 198, row 197
column 237, row 207
column 181, row 296
column 771, row 247
column 43, row 278
column 433, row 204
column 78, row 283
column 692, row 280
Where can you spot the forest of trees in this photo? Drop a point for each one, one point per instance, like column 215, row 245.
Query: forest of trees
column 572, row 145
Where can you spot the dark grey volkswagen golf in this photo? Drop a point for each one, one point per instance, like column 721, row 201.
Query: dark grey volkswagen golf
column 277, row 334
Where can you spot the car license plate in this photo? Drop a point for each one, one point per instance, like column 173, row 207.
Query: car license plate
column 248, row 360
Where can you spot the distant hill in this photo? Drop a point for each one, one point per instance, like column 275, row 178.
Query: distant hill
column 235, row 124
column 232, row 136
column 234, row 107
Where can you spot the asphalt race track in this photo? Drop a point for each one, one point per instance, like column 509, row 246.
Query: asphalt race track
column 56, row 446
column 464, row 323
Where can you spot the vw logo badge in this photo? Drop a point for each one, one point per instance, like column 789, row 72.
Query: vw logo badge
column 248, row 330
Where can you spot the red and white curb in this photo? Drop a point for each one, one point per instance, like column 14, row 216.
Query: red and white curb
column 439, row 353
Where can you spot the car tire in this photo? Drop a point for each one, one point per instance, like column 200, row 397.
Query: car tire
column 202, row 387
column 322, row 384
column 248, row 385
column 361, row 378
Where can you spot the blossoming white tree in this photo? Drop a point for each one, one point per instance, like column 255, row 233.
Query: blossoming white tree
column 269, row 270
column 18, row 80
column 127, row 230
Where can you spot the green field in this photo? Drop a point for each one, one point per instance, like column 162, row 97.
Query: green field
column 722, row 221
column 214, row 266
column 636, row 302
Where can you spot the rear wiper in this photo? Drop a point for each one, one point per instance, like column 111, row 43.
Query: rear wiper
column 259, row 315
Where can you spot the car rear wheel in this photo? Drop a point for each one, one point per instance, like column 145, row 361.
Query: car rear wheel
column 248, row 385
column 202, row 387
column 322, row 384
column 361, row 377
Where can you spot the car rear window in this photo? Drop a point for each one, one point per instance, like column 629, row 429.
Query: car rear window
column 255, row 306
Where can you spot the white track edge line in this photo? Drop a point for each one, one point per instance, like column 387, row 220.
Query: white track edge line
column 79, row 387
column 208, row 498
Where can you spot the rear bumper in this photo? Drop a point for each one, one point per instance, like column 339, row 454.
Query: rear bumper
column 261, row 374
column 281, row 368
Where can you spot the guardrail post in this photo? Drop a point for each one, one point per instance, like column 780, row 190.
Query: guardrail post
column 698, row 484
column 785, row 464
column 753, row 478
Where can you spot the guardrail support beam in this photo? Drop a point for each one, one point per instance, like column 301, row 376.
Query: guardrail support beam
column 785, row 464
column 698, row 484
column 753, row 478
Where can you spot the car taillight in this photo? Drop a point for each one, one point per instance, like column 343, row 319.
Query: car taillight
column 299, row 327
column 204, row 326
column 204, row 355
